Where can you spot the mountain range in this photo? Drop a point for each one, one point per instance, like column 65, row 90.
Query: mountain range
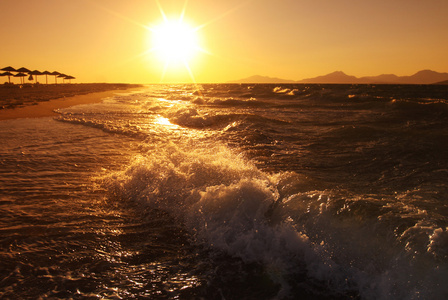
column 339, row 77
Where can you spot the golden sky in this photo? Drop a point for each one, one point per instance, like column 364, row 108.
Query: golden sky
column 110, row 40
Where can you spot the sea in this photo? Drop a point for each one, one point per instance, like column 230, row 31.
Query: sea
column 229, row 191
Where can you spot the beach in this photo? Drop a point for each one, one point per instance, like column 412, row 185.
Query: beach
column 27, row 101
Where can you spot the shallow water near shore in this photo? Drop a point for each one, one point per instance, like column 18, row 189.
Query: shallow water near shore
column 230, row 192
column 13, row 96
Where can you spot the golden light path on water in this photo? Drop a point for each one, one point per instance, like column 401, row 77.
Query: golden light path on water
column 148, row 275
column 163, row 121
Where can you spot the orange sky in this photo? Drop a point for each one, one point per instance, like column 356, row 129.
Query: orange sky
column 107, row 40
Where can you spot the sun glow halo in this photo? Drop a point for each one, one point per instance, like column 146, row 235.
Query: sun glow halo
column 175, row 41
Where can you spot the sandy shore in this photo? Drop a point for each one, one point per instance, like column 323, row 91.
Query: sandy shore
column 41, row 101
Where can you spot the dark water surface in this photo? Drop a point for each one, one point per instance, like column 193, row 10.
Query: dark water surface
column 230, row 192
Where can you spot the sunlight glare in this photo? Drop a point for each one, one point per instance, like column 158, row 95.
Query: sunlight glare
column 163, row 121
column 175, row 41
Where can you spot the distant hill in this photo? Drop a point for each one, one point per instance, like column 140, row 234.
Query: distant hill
column 339, row 77
column 442, row 82
column 262, row 79
column 335, row 77
column 383, row 78
column 425, row 77
column 421, row 77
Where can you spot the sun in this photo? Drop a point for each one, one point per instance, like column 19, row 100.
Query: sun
column 175, row 41
column 175, row 44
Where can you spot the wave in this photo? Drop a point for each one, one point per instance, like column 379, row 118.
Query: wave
column 193, row 117
column 362, row 216
column 329, row 240
column 250, row 102
column 219, row 196
column 333, row 239
column 131, row 130
column 420, row 109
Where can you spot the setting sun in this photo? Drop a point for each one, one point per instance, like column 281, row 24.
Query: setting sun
column 173, row 45
column 174, row 41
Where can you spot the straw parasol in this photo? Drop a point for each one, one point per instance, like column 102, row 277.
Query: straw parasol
column 21, row 75
column 62, row 76
column 35, row 73
column 69, row 78
column 46, row 73
column 23, row 70
column 9, row 69
column 56, row 74
column 7, row 74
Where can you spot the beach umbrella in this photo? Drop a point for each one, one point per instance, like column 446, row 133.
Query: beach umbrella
column 46, row 73
column 62, row 76
column 21, row 75
column 35, row 73
column 69, row 78
column 7, row 74
column 9, row 69
column 56, row 74
column 23, row 70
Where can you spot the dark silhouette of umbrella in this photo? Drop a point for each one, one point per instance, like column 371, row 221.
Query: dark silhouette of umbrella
column 46, row 73
column 7, row 74
column 9, row 69
column 35, row 73
column 62, row 76
column 69, row 78
column 56, row 74
column 23, row 70
column 21, row 75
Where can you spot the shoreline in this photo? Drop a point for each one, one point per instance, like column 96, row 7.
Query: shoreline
column 38, row 107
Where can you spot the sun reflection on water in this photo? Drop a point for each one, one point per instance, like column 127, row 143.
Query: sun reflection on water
column 163, row 121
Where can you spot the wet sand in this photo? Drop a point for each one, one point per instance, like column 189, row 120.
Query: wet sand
column 41, row 101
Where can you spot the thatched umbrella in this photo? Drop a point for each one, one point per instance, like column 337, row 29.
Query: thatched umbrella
column 69, row 78
column 62, row 76
column 46, row 73
column 23, row 70
column 35, row 73
column 9, row 69
column 56, row 74
column 21, row 75
column 7, row 74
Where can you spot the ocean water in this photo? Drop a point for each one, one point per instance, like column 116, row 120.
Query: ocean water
column 230, row 192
